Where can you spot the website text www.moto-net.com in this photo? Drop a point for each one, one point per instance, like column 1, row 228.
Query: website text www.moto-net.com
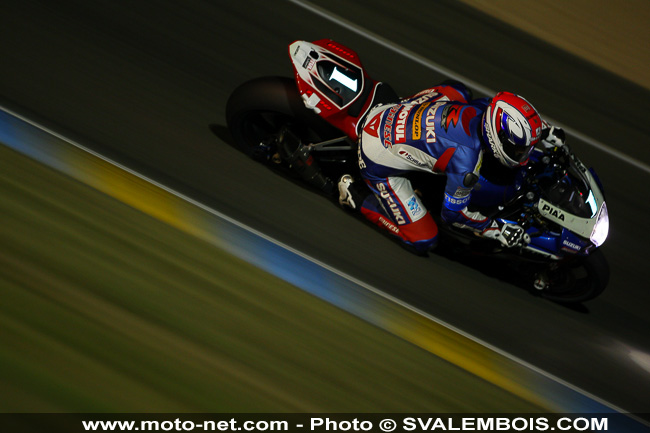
column 405, row 424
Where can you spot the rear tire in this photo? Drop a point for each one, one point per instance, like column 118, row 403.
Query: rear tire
column 258, row 109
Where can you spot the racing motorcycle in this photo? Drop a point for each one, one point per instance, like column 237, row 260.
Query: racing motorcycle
column 307, row 127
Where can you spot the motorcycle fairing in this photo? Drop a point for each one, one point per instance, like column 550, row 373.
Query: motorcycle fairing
column 332, row 82
column 593, row 203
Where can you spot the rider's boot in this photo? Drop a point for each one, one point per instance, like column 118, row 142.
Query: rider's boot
column 349, row 195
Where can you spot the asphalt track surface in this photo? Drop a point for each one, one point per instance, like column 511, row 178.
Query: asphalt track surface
column 141, row 82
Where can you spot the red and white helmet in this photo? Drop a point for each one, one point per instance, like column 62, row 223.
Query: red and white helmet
column 512, row 127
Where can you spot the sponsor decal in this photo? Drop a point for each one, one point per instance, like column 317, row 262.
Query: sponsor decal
column 394, row 208
column 571, row 245
column 553, row 212
column 455, row 204
column 430, row 123
column 389, row 225
column 404, row 154
column 431, row 91
column 414, row 206
column 450, row 116
column 462, row 192
column 400, row 125
column 417, row 121
column 424, row 96
column 372, row 126
column 388, row 126
column 456, row 201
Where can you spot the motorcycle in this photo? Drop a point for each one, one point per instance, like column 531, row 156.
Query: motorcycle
column 307, row 127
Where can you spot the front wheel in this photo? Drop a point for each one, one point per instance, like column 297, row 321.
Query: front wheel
column 576, row 281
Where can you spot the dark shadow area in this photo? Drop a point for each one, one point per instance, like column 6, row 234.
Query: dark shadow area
column 223, row 134
column 501, row 269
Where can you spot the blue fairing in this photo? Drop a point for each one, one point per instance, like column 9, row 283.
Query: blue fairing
column 572, row 243
column 558, row 243
column 547, row 242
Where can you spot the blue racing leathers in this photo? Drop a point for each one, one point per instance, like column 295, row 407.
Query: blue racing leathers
column 436, row 131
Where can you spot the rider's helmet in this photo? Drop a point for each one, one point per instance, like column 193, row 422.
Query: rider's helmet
column 511, row 128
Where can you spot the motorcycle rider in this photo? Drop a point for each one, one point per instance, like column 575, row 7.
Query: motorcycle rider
column 441, row 130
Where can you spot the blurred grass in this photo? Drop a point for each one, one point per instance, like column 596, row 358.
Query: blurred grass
column 103, row 308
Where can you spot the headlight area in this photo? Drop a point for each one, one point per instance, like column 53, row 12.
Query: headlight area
column 601, row 229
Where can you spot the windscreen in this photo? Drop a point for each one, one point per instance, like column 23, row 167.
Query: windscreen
column 570, row 192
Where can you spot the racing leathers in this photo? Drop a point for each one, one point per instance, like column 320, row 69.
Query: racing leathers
column 436, row 131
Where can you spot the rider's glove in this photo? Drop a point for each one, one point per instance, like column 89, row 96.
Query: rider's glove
column 552, row 136
column 510, row 235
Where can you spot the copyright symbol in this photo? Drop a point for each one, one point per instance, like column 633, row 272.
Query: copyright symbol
column 387, row 425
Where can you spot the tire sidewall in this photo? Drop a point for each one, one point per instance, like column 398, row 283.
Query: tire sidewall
column 270, row 94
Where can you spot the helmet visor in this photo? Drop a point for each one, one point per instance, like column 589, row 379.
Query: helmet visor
column 515, row 152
